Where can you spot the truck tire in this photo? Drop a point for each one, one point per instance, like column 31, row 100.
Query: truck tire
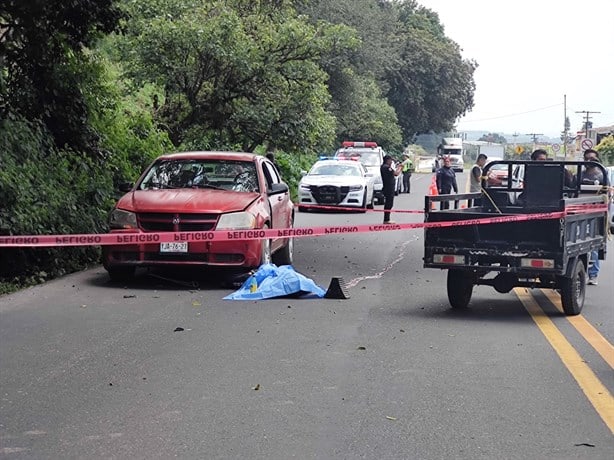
column 460, row 288
column 573, row 290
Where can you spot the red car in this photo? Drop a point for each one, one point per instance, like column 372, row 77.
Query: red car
column 202, row 191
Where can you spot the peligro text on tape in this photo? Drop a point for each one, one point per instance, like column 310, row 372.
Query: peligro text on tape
column 131, row 237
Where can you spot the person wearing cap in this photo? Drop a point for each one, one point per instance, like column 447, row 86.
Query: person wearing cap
column 408, row 166
column 389, row 174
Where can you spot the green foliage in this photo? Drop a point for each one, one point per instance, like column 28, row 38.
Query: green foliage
column 234, row 73
column 606, row 150
column 495, row 138
column 43, row 67
column 46, row 191
column 371, row 117
column 420, row 72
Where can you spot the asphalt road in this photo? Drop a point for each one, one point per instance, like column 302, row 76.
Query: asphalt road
column 92, row 369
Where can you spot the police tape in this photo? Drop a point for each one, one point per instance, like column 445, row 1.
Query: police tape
column 320, row 207
column 134, row 238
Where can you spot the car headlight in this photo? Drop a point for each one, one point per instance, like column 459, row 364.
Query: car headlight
column 120, row 219
column 355, row 188
column 304, row 187
column 236, row 220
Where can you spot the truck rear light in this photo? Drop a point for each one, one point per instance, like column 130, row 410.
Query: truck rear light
column 537, row 263
column 448, row 259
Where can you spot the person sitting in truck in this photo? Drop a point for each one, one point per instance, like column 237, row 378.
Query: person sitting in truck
column 592, row 175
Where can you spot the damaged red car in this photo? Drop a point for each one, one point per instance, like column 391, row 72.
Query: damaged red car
column 196, row 192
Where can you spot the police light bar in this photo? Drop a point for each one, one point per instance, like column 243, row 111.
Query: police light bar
column 359, row 144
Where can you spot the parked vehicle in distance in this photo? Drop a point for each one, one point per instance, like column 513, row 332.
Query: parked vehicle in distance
column 199, row 192
column 452, row 147
column 610, row 171
column 371, row 156
column 341, row 183
column 457, row 163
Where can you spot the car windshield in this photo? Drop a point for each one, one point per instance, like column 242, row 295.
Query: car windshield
column 334, row 170
column 239, row 176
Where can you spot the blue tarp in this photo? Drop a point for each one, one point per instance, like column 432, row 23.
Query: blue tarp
column 273, row 281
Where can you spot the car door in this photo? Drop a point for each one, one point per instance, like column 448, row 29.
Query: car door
column 279, row 200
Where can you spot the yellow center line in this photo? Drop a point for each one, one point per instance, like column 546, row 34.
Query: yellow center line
column 586, row 330
column 595, row 391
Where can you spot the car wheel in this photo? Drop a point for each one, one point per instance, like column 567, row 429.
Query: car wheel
column 121, row 273
column 371, row 203
column 265, row 249
column 285, row 255
column 573, row 290
column 302, row 209
column 363, row 206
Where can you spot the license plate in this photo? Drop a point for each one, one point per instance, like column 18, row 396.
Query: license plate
column 174, row 247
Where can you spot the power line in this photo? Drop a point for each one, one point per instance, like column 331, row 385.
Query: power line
column 513, row 114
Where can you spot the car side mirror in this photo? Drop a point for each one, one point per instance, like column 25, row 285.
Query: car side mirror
column 278, row 188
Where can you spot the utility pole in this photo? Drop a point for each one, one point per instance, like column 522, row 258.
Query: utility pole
column 587, row 114
column 565, row 127
column 515, row 135
column 534, row 136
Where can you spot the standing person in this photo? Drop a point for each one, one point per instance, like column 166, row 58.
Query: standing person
column 389, row 175
column 408, row 167
column 446, row 180
column 475, row 177
column 592, row 175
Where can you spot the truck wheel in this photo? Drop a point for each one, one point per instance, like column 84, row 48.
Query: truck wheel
column 460, row 288
column 573, row 290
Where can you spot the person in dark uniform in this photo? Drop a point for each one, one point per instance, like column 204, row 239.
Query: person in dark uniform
column 446, row 180
column 389, row 174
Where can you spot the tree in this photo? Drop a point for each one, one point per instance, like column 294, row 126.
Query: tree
column 431, row 85
column 235, row 74
column 494, row 138
column 44, row 66
column 420, row 72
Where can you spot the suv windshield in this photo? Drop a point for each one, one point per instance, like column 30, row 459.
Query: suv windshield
column 368, row 157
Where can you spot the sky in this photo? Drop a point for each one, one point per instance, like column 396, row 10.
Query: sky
column 532, row 56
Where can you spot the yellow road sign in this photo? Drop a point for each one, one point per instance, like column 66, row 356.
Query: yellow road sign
column 519, row 149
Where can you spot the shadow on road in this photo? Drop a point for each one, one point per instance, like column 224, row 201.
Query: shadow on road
column 176, row 279
column 496, row 310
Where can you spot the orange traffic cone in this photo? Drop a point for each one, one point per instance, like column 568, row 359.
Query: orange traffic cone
column 433, row 190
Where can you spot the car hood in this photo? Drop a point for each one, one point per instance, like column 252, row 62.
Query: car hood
column 332, row 180
column 186, row 200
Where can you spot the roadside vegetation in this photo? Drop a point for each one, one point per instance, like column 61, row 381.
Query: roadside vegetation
column 91, row 92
